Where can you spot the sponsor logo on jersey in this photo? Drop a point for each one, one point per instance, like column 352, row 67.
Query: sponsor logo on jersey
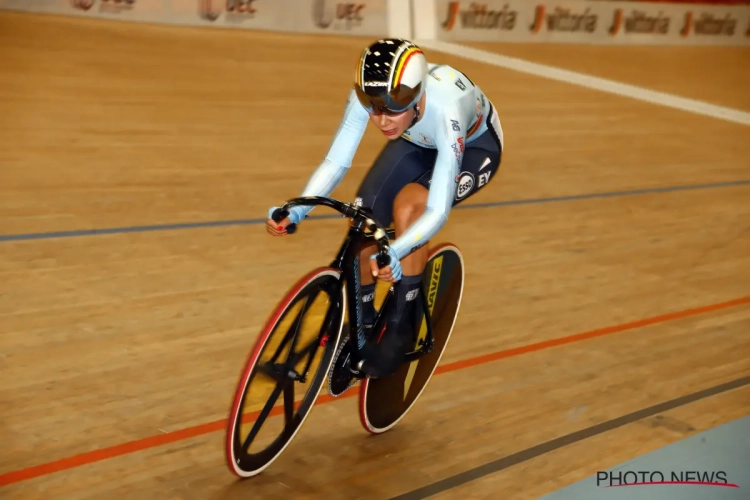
column 563, row 19
column 484, row 178
column 458, row 147
column 479, row 16
column 465, row 185
column 639, row 22
column 708, row 24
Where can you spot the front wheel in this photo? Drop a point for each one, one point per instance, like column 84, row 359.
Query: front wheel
column 294, row 351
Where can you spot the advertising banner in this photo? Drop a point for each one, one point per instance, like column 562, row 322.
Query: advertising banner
column 524, row 21
column 622, row 23
column 361, row 17
column 245, row 14
column 125, row 10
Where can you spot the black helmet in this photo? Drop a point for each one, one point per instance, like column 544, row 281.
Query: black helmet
column 390, row 75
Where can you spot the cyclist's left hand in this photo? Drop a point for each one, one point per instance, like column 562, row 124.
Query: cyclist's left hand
column 391, row 273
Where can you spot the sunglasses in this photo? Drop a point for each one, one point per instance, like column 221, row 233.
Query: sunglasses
column 397, row 100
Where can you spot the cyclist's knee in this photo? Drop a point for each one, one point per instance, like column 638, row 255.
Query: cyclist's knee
column 409, row 205
column 368, row 249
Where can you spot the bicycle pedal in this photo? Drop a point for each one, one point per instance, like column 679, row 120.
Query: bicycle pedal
column 357, row 372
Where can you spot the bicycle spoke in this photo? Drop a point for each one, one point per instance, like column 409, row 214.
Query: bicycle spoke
column 300, row 355
column 298, row 321
column 288, row 407
column 325, row 328
column 267, row 369
column 263, row 416
column 281, row 346
column 291, row 335
column 287, row 386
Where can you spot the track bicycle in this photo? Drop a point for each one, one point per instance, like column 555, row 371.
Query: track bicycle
column 307, row 332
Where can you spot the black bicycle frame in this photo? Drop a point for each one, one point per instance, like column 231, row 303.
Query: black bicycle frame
column 348, row 262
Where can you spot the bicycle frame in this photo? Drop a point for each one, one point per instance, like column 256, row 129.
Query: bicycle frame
column 340, row 281
column 347, row 261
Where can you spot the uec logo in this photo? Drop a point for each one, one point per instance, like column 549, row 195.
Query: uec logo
column 323, row 15
column 87, row 4
column 82, row 4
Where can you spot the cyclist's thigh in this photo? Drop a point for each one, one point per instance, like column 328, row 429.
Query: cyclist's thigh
column 399, row 163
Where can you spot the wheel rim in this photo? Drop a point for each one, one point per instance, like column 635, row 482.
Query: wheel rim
column 378, row 411
column 292, row 343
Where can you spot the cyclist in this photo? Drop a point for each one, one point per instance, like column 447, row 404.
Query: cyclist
column 445, row 143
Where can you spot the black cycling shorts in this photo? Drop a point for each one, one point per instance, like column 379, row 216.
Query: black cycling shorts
column 402, row 162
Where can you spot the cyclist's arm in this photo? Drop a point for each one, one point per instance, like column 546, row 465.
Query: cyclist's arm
column 442, row 187
column 346, row 140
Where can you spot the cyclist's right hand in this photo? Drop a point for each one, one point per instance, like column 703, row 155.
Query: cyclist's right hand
column 279, row 228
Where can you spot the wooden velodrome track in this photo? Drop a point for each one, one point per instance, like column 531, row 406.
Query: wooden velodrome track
column 120, row 350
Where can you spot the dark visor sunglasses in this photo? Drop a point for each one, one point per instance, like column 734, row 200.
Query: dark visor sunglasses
column 397, row 100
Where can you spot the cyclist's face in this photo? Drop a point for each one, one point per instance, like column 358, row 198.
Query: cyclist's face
column 392, row 124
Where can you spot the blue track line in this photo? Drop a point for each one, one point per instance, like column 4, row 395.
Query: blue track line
column 245, row 222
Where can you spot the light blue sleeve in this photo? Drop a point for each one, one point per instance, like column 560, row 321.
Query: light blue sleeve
column 345, row 142
column 450, row 146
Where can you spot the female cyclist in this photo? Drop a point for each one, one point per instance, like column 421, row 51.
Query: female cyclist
column 445, row 144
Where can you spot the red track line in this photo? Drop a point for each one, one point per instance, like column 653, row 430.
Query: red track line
column 600, row 332
column 219, row 425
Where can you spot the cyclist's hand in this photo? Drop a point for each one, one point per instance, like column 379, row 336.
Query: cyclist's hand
column 296, row 214
column 390, row 273
column 277, row 228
